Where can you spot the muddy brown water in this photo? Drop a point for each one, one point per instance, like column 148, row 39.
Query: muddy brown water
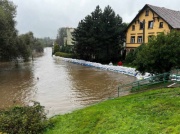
column 58, row 85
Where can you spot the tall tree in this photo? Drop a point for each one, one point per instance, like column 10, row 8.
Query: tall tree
column 83, row 38
column 27, row 43
column 96, row 33
column 8, row 33
column 99, row 36
column 111, row 25
column 13, row 46
column 60, row 36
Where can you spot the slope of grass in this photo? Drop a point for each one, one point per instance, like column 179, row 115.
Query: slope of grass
column 151, row 112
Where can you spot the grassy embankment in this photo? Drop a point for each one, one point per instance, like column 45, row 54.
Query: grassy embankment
column 155, row 111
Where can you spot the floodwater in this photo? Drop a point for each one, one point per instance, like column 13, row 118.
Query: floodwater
column 58, row 85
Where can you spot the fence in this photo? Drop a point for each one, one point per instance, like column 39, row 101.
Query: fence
column 158, row 81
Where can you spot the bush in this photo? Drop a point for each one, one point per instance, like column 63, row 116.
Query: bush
column 56, row 48
column 67, row 49
column 65, row 55
column 24, row 120
column 132, row 55
column 160, row 55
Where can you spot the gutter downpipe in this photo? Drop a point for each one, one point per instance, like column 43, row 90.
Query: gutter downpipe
column 144, row 31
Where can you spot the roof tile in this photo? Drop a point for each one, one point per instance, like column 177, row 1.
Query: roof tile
column 172, row 17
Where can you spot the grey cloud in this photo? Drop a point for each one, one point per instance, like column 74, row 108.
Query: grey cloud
column 44, row 17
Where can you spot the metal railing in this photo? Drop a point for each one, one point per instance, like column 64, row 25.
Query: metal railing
column 158, row 81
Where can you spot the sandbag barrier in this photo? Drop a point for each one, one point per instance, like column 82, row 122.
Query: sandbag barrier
column 119, row 69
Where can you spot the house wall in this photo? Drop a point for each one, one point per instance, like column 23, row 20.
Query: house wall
column 147, row 31
column 68, row 40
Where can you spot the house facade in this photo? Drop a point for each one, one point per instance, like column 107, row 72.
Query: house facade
column 150, row 21
column 68, row 38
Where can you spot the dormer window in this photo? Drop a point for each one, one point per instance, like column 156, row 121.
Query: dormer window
column 133, row 27
column 161, row 25
column 147, row 12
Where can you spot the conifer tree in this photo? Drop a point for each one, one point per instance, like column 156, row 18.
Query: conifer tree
column 99, row 36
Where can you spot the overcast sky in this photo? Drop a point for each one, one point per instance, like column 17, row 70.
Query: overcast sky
column 45, row 17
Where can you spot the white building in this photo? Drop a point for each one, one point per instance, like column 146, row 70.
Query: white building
column 68, row 39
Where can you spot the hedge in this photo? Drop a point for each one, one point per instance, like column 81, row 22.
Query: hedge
column 65, row 55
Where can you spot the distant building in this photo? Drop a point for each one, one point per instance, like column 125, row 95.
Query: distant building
column 68, row 38
column 150, row 21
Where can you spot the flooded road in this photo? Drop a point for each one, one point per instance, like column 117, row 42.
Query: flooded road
column 58, row 85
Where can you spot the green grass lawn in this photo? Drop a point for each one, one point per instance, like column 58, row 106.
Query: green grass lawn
column 151, row 112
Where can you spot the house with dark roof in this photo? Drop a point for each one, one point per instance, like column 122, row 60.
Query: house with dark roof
column 150, row 21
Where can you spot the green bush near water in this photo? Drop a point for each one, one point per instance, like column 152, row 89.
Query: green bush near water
column 24, row 120
column 151, row 112
column 65, row 55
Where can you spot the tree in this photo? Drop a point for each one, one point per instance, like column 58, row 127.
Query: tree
column 24, row 48
column 46, row 41
column 161, row 54
column 95, row 34
column 60, row 36
column 83, row 48
column 99, row 36
column 26, row 44
column 56, row 48
column 8, row 33
column 13, row 46
column 111, row 29
column 132, row 55
column 38, row 46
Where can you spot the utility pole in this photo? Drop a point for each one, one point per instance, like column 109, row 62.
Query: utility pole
column 144, row 30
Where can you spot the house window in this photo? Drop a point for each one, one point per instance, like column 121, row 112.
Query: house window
column 132, row 39
column 133, row 27
column 150, row 24
column 141, row 25
column 147, row 12
column 161, row 25
column 139, row 39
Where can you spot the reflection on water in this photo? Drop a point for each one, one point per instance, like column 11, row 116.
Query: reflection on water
column 61, row 87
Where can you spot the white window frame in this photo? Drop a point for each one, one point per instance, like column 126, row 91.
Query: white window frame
column 139, row 39
column 133, row 39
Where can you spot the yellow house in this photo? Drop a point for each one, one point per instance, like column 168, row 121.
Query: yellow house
column 150, row 21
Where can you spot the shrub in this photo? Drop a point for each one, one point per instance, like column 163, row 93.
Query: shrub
column 56, row 48
column 160, row 55
column 24, row 119
column 65, row 55
column 67, row 49
column 132, row 55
